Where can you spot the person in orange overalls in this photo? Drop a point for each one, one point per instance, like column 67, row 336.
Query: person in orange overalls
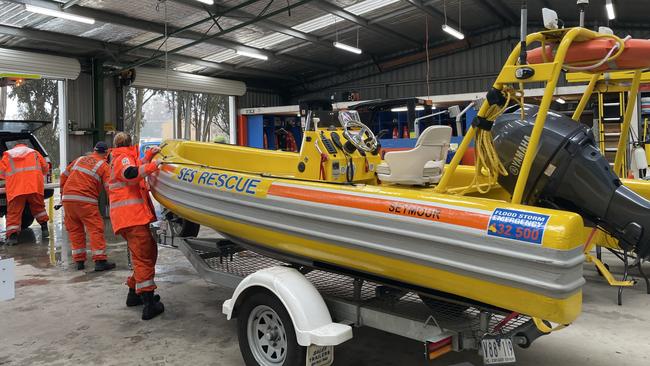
column 131, row 213
column 81, row 184
column 24, row 170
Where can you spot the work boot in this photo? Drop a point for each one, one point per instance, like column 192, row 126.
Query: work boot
column 133, row 299
column 81, row 266
column 103, row 265
column 12, row 240
column 151, row 308
column 45, row 232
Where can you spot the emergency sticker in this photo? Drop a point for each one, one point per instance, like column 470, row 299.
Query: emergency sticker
column 517, row 225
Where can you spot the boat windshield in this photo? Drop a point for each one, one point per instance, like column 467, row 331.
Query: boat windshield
column 346, row 117
column 331, row 120
column 322, row 119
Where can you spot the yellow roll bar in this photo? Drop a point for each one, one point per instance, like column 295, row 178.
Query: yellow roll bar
column 548, row 72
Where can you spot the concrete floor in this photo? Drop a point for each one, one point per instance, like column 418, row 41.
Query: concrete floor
column 64, row 317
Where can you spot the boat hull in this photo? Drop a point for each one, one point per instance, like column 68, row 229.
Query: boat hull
column 440, row 243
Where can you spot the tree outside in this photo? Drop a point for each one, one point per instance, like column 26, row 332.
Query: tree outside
column 146, row 109
column 37, row 99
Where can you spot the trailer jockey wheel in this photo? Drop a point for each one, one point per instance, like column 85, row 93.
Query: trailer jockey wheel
column 266, row 334
column 181, row 227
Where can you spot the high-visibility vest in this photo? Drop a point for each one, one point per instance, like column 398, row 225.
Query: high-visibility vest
column 23, row 169
column 82, row 179
column 129, row 198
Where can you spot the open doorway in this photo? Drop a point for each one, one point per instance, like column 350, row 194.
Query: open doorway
column 151, row 115
column 37, row 100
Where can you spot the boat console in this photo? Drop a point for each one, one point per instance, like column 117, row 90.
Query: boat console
column 337, row 146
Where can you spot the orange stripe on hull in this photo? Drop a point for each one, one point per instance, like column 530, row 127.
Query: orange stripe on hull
column 394, row 207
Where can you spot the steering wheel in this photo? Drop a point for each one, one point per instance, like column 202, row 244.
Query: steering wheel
column 366, row 144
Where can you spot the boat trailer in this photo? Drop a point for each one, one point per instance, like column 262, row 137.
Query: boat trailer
column 441, row 324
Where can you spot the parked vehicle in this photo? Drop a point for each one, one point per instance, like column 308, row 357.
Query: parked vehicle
column 13, row 132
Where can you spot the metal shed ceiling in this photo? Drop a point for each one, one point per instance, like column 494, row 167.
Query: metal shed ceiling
column 295, row 35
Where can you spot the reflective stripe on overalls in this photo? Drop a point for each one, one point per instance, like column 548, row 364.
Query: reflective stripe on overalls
column 14, row 170
column 92, row 172
column 144, row 284
column 74, row 197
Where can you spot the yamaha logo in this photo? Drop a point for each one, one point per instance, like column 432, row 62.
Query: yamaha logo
column 518, row 159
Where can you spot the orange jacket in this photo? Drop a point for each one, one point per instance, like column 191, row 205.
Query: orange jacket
column 24, row 170
column 129, row 197
column 82, row 180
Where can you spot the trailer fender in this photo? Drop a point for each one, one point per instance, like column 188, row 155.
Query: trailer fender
column 306, row 307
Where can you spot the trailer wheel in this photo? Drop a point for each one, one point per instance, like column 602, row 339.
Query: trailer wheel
column 266, row 334
column 181, row 227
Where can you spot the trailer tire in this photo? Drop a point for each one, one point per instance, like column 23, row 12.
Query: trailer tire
column 273, row 339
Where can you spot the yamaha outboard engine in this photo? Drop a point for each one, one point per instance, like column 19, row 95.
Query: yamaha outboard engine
column 570, row 173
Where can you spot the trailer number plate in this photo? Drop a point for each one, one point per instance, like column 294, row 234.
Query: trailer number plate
column 497, row 351
column 320, row 355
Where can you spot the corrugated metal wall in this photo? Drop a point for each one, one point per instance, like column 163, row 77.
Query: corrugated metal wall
column 259, row 98
column 467, row 71
column 80, row 114
column 463, row 71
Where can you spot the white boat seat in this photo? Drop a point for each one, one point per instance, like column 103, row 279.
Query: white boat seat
column 421, row 165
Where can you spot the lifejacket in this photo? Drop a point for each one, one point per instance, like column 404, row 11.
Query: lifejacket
column 291, row 142
column 405, row 132
column 82, row 179
column 24, row 170
column 130, row 204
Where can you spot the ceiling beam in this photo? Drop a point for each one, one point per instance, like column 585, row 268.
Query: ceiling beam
column 496, row 7
column 149, row 26
column 207, row 38
column 342, row 13
column 432, row 12
column 405, row 10
column 490, row 8
column 503, row 8
column 264, row 23
column 113, row 49
column 69, row 3
column 192, row 25
column 351, row 74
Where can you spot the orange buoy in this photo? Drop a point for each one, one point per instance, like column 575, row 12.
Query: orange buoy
column 636, row 54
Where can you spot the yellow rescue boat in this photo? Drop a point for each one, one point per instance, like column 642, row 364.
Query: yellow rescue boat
column 410, row 220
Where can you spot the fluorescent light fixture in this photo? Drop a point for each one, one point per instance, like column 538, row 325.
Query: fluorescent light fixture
column 610, row 10
column 309, row 26
column 209, row 2
column 405, row 109
column 560, row 100
column 59, row 14
column 253, row 55
column 453, row 32
column 348, row 48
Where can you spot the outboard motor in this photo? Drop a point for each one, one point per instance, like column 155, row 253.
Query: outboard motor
column 570, row 173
